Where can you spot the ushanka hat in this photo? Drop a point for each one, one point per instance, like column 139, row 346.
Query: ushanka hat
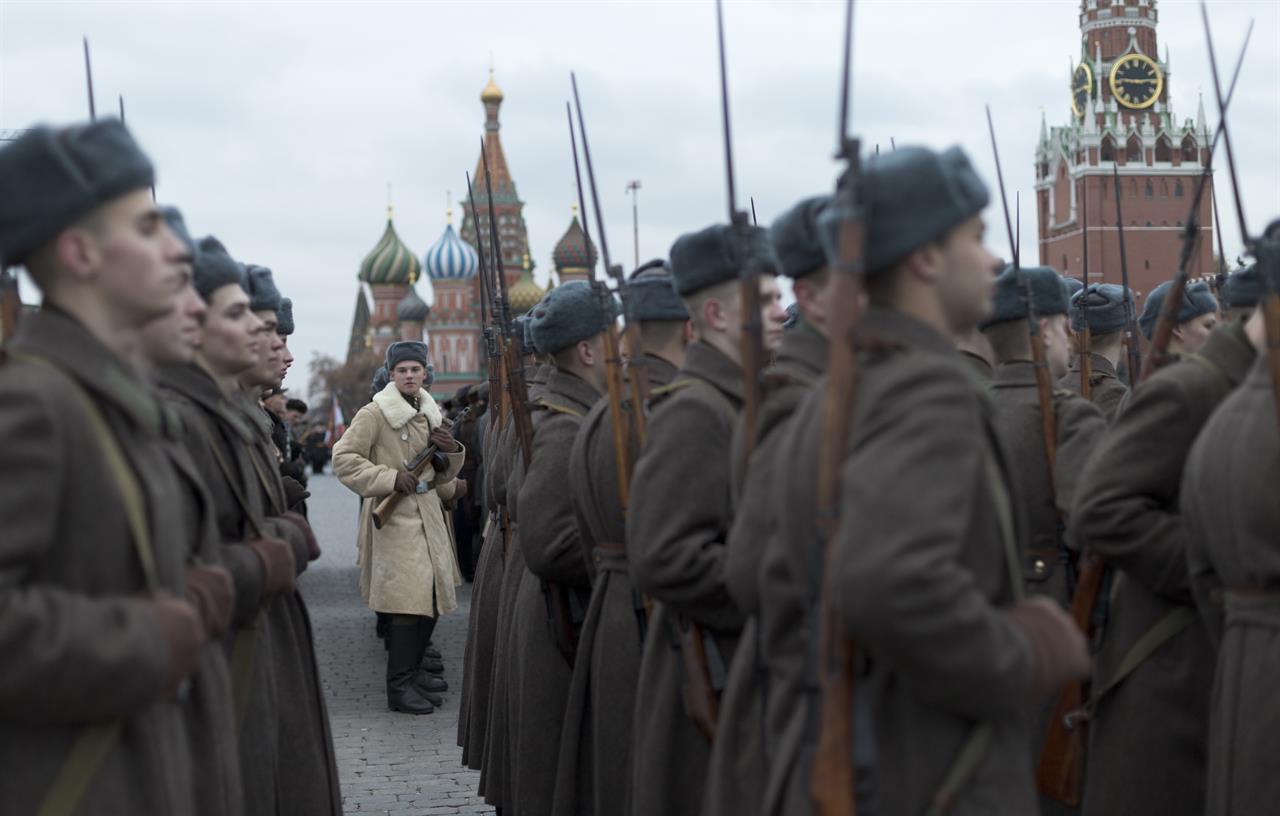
column 406, row 351
column 1196, row 300
column 1242, row 288
column 651, row 293
column 1104, row 308
column 50, row 178
column 214, row 268
column 263, row 294
column 796, row 239
column 178, row 225
column 284, row 317
column 569, row 313
column 714, row 255
column 1048, row 294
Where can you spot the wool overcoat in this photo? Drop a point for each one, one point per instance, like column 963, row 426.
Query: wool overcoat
column 477, row 657
column 1130, row 515
column 593, row 774
column 1105, row 389
column 681, row 511
column 409, row 566
column 82, row 645
column 923, row 595
column 1233, row 538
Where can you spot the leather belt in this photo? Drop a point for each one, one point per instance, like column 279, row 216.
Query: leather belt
column 1252, row 606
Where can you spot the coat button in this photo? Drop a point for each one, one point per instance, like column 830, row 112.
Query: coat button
column 1039, row 566
column 404, row 437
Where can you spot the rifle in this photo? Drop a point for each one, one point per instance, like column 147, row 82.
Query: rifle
column 831, row 779
column 1158, row 356
column 613, row 360
column 1263, row 250
column 1060, row 773
column 1085, row 340
column 1134, row 354
column 10, row 303
column 487, row 315
column 88, row 77
column 416, row 466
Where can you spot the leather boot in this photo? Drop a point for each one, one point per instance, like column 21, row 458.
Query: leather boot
column 432, row 652
column 403, row 654
column 423, row 679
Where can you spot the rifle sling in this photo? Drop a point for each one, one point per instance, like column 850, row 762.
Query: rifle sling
column 94, row 742
column 1160, row 633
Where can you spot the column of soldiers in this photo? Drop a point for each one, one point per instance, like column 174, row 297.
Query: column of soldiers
column 646, row 641
column 158, row 657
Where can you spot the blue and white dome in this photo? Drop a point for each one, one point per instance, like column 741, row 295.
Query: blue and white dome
column 451, row 258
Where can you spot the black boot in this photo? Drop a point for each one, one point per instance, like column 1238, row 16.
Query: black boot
column 423, row 679
column 403, row 653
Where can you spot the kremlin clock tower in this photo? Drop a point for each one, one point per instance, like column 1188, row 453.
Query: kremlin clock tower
column 1122, row 128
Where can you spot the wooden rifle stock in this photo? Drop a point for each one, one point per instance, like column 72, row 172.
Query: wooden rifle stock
column 700, row 701
column 1060, row 772
column 10, row 304
column 384, row 509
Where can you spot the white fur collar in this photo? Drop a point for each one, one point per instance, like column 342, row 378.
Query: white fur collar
column 397, row 410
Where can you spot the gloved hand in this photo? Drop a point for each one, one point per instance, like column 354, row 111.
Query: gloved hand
column 444, row 440
column 277, row 564
column 183, row 636
column 297, row 520
column 294, row 492
column 210, row 590
column 406, row 482
column 1059, row 652
column 459, row 489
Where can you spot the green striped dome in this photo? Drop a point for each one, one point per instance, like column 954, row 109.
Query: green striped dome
column 390, row 261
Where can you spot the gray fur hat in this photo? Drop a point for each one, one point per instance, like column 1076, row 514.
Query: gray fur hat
column 414, row 351
column 50, row 178
column 1105, row 308
column 263, row 294
column 380, row 379
column 913, row 196
column 1073, row 286
column 1196, row 300
column 1048, row 294
column 570, row 312
column 652, row 294
column 797, row 240
column 1242, row 288
column 528, row 346
column 714, row 255
column 178, row 225
column 214, row 268
column 284, row 317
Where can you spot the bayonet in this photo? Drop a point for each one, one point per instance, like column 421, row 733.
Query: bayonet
column 1085, row 339
column 492, row 353
column 88, row 78
column 1134, row 354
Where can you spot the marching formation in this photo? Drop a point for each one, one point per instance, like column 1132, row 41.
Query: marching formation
column 952, row 535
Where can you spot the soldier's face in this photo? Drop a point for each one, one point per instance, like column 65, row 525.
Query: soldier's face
column 134, row 258
column 968, row 277
column 267, row 372
column 1191, row 334
column 1057, row 344
column 408, row 377
column 175, row 337
column 231, row 336
column 286, row 357
column 772, row 313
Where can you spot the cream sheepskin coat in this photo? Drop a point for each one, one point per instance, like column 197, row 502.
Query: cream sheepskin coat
column 409, row 567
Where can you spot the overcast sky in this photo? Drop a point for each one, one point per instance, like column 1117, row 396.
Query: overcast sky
column 277, row 126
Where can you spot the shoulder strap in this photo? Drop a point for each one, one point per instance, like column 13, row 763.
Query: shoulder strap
column 679, row 385
column 559, row 409
column 1160, row 633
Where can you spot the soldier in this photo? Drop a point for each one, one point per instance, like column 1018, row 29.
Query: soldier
column 594, row 770
column 975, row 349
column 1105, row 309
column 410, row 570
column 1197, row 317
column 1233, row 526
column 308, row 780
column 680, row 519
column 1045, row 497
column 1154, row 666
column 261, row 547
column 209, row 705
column 738, row 770
column 1240, row 292
column 923, row 564
column 99, row 641
column 466, row 511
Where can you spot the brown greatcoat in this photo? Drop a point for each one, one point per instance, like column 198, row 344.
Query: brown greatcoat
column 1129, row 514
column 477, row 656
column 496, row 771
column 593, row 774
column 82, row 645
column 540, row 673
column 680, row 517
column 279, row 717
column 1105, row 389
column 923, row 569
column 1233, row 536
column 1079, row 426
column 739, row 758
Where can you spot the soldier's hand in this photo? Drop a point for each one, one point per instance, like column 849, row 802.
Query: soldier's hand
column 308, row 535
column 294, row 492
column 278, row 564
column 444, row 440
column 406, row 482
column 1059, row 652
column 210, row 590
column 183, row 636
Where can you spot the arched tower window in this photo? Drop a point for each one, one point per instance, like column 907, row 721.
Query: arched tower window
column 1133, row 150
column 1164, row 150
column 1189, row 148
column 1108, row 148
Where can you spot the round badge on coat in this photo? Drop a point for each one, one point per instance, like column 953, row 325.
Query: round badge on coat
column 404, row 437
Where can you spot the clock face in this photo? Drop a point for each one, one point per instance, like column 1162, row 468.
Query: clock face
column 1081, row 89
column 1136, row 81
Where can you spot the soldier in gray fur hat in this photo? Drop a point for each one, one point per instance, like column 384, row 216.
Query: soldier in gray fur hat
column 1106, row 310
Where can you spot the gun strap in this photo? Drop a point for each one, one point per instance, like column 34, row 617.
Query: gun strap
column 243, row 648
column 94, row 742
column 1164, row 630
column 559, row 409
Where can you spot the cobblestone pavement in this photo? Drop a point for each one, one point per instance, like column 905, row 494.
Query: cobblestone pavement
column 389, row 763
